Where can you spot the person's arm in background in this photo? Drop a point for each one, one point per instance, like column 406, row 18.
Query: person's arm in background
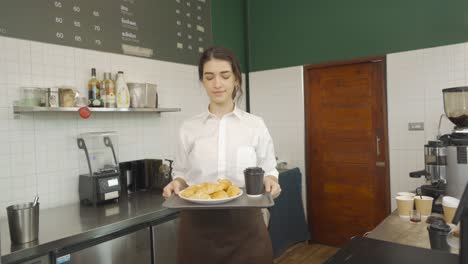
column 267, row 161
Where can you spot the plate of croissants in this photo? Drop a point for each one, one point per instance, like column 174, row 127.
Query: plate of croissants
column 211, row 193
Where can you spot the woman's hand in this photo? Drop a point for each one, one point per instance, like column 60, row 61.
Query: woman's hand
column 272, row 186
column 174, row 187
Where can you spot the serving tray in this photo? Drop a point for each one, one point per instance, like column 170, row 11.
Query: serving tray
column 243, row 201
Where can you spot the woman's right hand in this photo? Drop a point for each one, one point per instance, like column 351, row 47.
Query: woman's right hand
column 173, row 187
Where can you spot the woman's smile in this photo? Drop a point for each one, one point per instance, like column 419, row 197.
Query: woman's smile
column 219, row 93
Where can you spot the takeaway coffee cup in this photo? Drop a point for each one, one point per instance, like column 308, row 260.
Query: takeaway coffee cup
column 449, row 204
column 254, row 181
column 405, row 205
column 424, row 205
column 438, row 236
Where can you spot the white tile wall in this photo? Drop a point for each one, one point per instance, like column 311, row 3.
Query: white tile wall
column 277, row 97
column 38, row 151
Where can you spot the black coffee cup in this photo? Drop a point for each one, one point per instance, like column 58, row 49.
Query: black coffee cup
column 254, row 181
column 438, row 236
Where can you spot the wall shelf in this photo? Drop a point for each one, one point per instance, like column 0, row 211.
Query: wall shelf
column 36, row 109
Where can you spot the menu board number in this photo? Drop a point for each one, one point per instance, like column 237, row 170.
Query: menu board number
column 58, row 4
column 98, row 42
column 97, row 28
column 77, row 9
column 77, row 23
column 78, row 38
column 59, row 35
column 59, row 20
column 96, row 13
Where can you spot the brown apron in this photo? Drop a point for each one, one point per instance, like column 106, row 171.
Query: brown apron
column 234, row 236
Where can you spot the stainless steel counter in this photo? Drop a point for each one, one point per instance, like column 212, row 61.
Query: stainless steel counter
column 71, row 225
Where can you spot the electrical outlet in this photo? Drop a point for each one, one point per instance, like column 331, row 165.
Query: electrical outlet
column 414, row 126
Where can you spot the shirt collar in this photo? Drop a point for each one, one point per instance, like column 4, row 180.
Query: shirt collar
column 236, row 112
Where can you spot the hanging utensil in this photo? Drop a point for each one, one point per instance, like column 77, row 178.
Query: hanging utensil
column 36, row 199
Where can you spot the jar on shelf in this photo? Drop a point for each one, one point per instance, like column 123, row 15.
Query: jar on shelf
column 29, row 96
column 53, row 97
column 67, row 96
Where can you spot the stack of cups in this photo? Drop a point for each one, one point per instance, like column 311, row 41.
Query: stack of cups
column 450, row 205
column 405, row 203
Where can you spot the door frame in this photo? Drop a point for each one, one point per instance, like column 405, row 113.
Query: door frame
column 307, row 94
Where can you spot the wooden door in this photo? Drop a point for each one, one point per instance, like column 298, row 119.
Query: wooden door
column 346, row 149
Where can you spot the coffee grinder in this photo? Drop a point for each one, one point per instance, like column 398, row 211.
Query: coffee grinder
column 99, row 169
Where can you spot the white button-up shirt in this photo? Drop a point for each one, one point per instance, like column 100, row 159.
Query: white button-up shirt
column 210, row 148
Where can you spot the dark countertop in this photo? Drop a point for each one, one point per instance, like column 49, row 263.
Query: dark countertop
column 67, row 226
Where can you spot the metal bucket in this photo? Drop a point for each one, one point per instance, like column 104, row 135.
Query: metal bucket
column 23, row 221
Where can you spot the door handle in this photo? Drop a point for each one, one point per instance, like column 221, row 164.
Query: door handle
column 380, row 164
column 378, row 145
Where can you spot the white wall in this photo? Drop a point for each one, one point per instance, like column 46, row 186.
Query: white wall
column 415, row 80
column 277, row 97
column 38, row 152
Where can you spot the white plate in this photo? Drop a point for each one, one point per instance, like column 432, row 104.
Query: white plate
column 210, row 201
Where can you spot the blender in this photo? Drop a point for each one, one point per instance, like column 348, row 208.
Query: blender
column 99, row 179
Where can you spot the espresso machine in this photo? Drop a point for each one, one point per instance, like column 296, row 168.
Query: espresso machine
column 99, row 179
column 456, row 110
column 435, row 172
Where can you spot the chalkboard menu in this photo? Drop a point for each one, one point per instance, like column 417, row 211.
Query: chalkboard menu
column 170, row 30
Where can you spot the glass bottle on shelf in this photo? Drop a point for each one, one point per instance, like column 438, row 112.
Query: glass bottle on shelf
column 123, row 95
column 94, row 90
column 108, row 88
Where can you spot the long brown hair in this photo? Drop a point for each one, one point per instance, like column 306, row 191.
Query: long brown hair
column 222, row 53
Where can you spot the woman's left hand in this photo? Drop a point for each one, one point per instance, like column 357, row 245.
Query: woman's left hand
column 272, row 186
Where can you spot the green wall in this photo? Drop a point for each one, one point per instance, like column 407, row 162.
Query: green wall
column 228, row 17
column 286, row 33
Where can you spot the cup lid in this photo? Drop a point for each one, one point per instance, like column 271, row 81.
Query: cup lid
column 439, row 226
column 254, row 170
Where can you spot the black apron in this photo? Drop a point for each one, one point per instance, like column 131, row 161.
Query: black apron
column 231, row 236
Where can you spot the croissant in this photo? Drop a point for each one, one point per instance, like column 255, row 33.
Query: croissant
column 233, row 191
column 189, row 191
column 219, row 195
column 200, row 194
column 225, row 183
column 210, row 188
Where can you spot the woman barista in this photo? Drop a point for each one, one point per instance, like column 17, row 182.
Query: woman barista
column 221, row 143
